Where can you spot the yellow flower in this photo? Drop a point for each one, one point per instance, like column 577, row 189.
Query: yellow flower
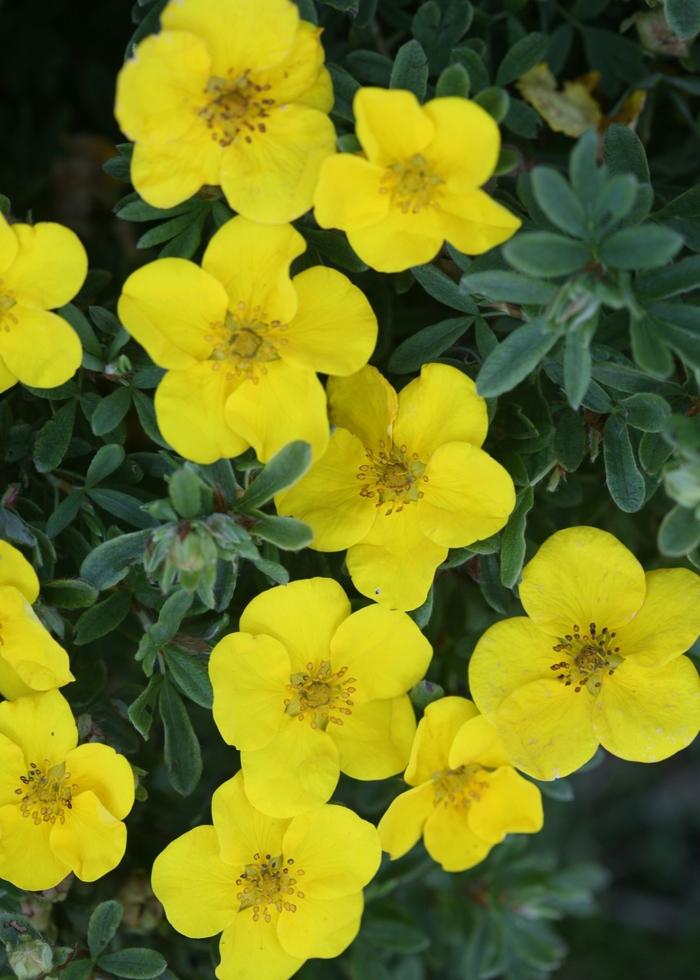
column 242, row 342
column 61, row 807
column 307, row 691
column 466, row 797
column 280, row 891
column 30, row 658
column 596, row 661
column 41, row 267
column 417, row 182
column 403, row 479
column 231, row 92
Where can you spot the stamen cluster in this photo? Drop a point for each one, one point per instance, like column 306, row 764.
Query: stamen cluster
column 392, row 476
column 590, row 656
column 46, row 792
column 321, row 694
column 234, row 104
column 268, row 883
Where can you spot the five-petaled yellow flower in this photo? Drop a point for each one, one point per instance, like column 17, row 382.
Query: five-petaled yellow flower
column 231, row 92
column 596, row 661
column 30, row 658
column 417, row 183
column 242, row 341
column 41, row 267
column 61, row 806
column 403, row 480
column 280, row 891
column 467, row 796
column 307, row 690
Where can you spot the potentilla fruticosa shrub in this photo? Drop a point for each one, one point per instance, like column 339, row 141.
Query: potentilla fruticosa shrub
column 364, row 510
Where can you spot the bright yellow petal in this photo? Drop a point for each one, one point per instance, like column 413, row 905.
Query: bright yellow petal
column 391, row 125
column 248, row 35
column 400, row 240
column 328, row 498
column 26, row 857
column 7, row 378
column 440, row 406
column 467, row 496
column 648, row 714
column 477, row 741
column 364, row 404
column 441, row 722
column 42, row 725
column 450, row 842
column 13, row 767
column 99, row 768
column 9, row 245
column 375, row 740
column 30, row 659
column 166, row 174
column 196, row 888
column 473, row 222
column 335, row 329
column 250, row 950
column 338, row 851
column 161, row 88
column 171, row 307
column 508, row 804
column 320, row 96
column 320, row 928
column 272, row 178
column 668, row 622
column 383, row 650
column 190, row 411
column 252, row 261
column 15, row 570
column 466, row 143
column 395, row 564
column 348, row 194
column 298, row 77
column 402, row 825
column 302, row 615
column 582, row 575
column 287, row 403
column 243, row 831
column 50, row 266
column 40, row 348
column 249, row 675
column 91, row 841
column 296, row 770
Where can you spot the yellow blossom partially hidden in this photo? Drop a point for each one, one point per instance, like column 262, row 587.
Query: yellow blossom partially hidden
column 596, row 661
column 307, row 690
column 230, row 92
column 403, row 480
column 241, row 341
column 466, row 795
column 417, row 183
column 42, row 267
column 30, row 659
column 279, row 891
column 61, row 804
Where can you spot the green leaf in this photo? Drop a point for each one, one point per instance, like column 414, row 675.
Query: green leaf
column 284, row 469
column 53, row 438
column 65, row 513
column 624, row 153
column 585, row 174
column 616, row 200
column 646, row 411
column 445, row 290
column 511, row 362
column 410, row 69
column 495, row 101
column 123, row 506
column 103, row 925
column 336, row 248
column 185, row 492
column 134, row 964
column 680, row 329
column 625, row 481
column 556, row 789
column 183, row 758
column 524, row 55
column 546, row 254
column 77, row 319
column 165, row 231
column 77, row 970
column 70, row 593
column 672, row 280
column 453, row 81
column 641, row 247
column 110, row 411
column 136, row 209
column 683, row 17
column 142, row 710
column 679, row 532
column 102, row 618
column 570, row 439
column 285, row 532
column 507, row 287
column 577, row 367
column 105, row 461
column 558, row 202
column 109, row 562
column 513, row 539
column 191, row 676
column 427, row 344
column 649, row 349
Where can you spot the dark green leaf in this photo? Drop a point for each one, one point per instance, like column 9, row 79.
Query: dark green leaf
column 681, row 277
column 121, row 505
column 624, row 153
column 679, row 532
column 336, row 248
column 102, row 618
column 53, row 439
column 646, row 411
column 103, row 925
column 506, row 287
column 110, row 411
column 642, row 247
column 410, row 69
column 134, row 964
column 285, row 532
column 577, row 367
column 70, row 593
column 513, row 539
column 558, row 202
column 546, row 254
column 427, row 344
column 684, row 17
column 284, row 469
column 108, row 563
column 524, row 55
column 495, row 101
column 142, row 710
column 165, row 231
column 191, row 676
column 445, row 290
column 570, row 439
column 82, row 327
column 185, row 492
column 183, row 758
column 65, row 513
column 453, row 81
column 649, row 349
column 510, row 363
column 105, row 461
column 624, row 480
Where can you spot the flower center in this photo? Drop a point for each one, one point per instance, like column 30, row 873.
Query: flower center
column 235, row 105
column 267, row 885
column 46, row 792
column 412, row 185
column 245, row 342
column 589, row 657
column 459, row 787
column 320, row 694
column 392, row 477
column 7, row 318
